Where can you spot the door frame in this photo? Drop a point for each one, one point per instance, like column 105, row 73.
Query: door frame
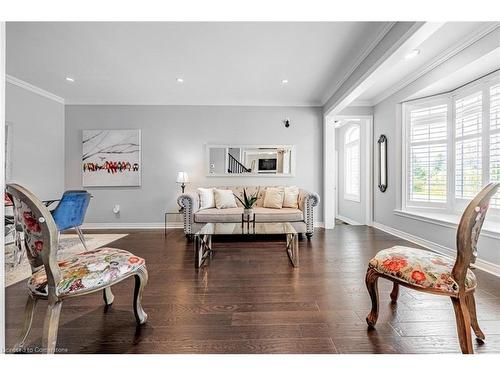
column 331, row 162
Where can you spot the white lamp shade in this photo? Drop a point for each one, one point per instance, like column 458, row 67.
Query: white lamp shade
column 182, row 177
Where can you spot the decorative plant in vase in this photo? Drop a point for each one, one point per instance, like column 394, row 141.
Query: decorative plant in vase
column 248, row 202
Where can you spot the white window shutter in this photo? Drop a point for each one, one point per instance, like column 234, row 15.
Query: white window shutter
column 495, row 107
column 495, row 140
column 468, row 146
column 428, row 154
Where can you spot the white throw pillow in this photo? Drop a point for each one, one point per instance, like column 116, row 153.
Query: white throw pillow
column 291, row 199
column 224, row 199
column 206, row 198
column 274, row 198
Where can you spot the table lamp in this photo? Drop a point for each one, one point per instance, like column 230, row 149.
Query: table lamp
column 182, row 178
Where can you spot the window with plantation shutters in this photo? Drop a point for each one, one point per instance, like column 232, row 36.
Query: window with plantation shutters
column 452, row 148
column 494, row 155
column 495, row 107
column 468, row 145
column 428, row 154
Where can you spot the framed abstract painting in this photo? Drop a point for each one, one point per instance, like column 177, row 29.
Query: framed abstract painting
column 111, row 158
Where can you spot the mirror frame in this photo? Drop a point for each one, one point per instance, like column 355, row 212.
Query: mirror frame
column 382, row 163
column 208, row 146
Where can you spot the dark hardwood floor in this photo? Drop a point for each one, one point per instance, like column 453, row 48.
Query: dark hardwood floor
column 250, row 300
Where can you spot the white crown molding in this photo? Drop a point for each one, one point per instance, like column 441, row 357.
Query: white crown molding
column 438, row 60
column 313, row 104
column 361, row 57
column 28, row 86
column 480, row 263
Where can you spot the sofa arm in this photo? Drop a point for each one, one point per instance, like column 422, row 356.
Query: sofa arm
column 307, row 201
column 190, row 203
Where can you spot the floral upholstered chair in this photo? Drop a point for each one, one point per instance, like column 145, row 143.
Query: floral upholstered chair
column 429, row 272
column 57, row 279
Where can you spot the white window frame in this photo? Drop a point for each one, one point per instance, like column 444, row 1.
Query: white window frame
column 346, row 146
column 407, row 108
column 453, row 205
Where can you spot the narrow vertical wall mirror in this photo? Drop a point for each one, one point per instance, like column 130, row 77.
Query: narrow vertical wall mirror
column 382, row 163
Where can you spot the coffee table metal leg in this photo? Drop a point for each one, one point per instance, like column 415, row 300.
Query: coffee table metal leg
column 292, row 248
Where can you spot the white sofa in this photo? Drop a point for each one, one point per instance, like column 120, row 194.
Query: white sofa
column 194, row 217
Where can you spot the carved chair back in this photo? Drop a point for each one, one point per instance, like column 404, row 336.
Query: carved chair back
column 40, row 233
column 468, row 232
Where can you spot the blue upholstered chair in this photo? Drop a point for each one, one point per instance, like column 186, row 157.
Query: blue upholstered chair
column 70, row 212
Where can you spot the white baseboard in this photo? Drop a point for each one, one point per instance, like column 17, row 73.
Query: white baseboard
column 480, row 264
column 317, row 224
column 347, row 220
column 130, row 225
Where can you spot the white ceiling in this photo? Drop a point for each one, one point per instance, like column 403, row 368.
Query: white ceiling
column 221, row 63
column 435, row 46
column 478, row 68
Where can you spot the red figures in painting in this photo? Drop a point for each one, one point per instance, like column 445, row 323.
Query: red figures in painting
column 111, row 167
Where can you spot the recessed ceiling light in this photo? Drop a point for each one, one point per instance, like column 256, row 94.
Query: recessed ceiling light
column 284, row 81
column 412, row 54
column 69, row 79
column 180, row 80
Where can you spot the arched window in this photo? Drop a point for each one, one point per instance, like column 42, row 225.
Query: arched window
column 352, row 163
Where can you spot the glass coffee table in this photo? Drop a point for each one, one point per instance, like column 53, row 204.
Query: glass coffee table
column 203, row 238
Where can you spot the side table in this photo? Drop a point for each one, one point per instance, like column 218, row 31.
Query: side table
column 166, row 216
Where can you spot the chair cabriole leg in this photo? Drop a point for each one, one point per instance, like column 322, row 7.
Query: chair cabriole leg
column 29, row 311
column 51, row 326
column 141, row 279
column 108, row 296
column 395, row 293
column 471, row 305
column 372, row 286
column 463, row 324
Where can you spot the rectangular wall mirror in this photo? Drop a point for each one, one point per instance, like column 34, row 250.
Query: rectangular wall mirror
column 250, row 160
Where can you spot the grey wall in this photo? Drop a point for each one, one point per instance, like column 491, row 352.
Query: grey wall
column 174, row 138
column 38, row 141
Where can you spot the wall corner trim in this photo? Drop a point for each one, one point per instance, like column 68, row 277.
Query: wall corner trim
column 480, row 263
column 37, row 90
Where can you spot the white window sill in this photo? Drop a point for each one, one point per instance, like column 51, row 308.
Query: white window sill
column 490, row 228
